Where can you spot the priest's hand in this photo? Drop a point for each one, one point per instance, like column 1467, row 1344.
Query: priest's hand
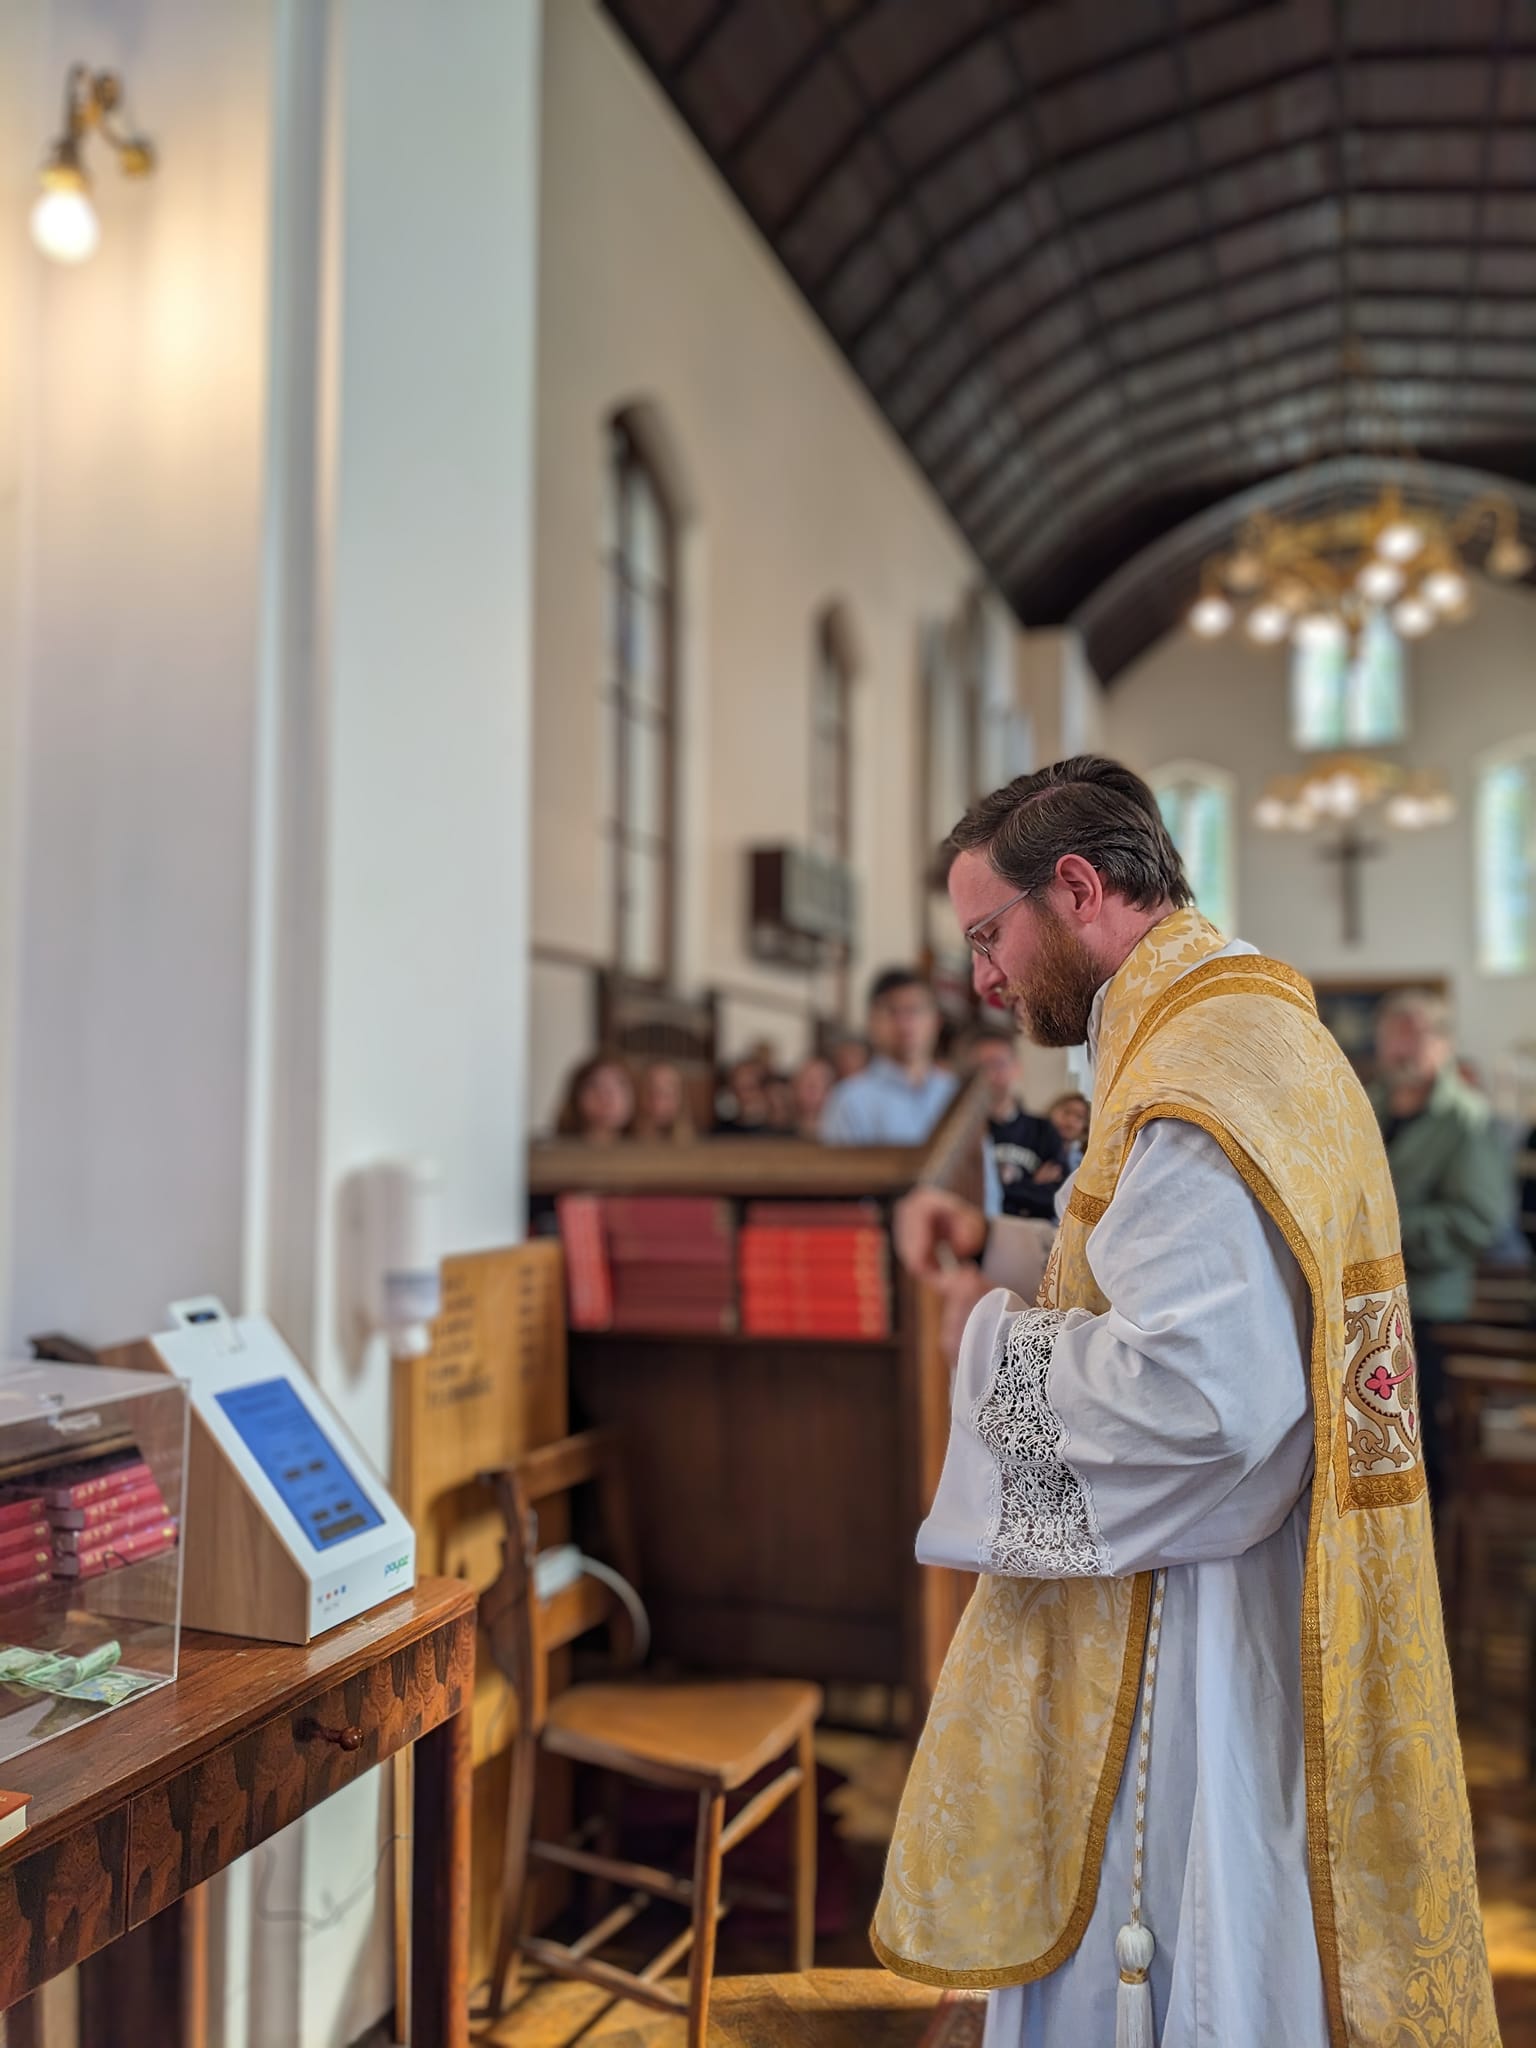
column 959, row 1290
column 935, row 1229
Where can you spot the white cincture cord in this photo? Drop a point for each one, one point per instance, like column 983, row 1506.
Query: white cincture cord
column 1134, row 1946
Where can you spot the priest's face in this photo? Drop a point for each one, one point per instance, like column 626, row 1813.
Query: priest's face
column 1026, row 954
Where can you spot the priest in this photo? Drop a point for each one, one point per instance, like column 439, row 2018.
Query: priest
column 1191, row 1774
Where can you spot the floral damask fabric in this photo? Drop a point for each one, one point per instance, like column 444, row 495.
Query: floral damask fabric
column 1030, row 1724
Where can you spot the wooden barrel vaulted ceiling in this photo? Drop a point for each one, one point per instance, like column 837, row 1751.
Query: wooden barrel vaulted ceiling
column 1104, row 264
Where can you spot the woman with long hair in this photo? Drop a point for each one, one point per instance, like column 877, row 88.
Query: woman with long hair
column 599, row 1104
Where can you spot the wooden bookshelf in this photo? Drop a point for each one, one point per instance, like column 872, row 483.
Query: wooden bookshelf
column 779, row 1481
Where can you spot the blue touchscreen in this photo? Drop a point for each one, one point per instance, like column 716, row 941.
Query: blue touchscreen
column 297, row 1456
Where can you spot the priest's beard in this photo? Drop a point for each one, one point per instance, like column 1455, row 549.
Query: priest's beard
column 1055, row 1006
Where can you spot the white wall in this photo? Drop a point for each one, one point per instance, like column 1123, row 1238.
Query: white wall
column 266, row 502
column 1226, row 703
column 133, row 478
column 654, row 285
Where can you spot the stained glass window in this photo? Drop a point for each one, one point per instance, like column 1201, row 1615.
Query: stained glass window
column 1506, row 861
column 1344, row 700
column 1198, row 809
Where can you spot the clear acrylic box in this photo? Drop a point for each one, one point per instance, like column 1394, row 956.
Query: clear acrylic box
column 92, row 1475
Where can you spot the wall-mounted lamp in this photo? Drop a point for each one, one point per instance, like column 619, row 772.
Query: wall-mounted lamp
column 64, row 224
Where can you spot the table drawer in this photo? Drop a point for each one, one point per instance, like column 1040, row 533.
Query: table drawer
column 61, row 1903
column 197, row 1824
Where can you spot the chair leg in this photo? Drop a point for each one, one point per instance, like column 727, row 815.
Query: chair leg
column 806, row 1815
column 514, row 1874
column 706, row 1913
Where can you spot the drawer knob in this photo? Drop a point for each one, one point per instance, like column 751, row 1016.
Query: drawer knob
column 349, row 1739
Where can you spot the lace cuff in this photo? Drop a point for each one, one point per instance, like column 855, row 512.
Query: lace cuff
column 1040, row 1521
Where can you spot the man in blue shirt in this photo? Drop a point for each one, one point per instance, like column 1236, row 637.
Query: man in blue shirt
column 901, row 1094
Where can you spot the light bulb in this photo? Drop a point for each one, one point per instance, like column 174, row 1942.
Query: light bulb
column 1413, row 618
column 1268, row 624
column 1245, row 570
column 64, row 224
column 1319, row 629
column 1380, row 581
column 1446, row 589
column 1509, row 557
column 1399, row 541
column 1210, row 616
column 1271, row 813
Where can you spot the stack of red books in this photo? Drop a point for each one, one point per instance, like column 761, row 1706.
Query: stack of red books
column 96, row 1516
column 26, row 1551
column 671, row 1260
column 648, row 1262
column 814, row 1269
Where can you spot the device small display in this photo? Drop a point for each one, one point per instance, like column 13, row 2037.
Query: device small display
column 299, row 1459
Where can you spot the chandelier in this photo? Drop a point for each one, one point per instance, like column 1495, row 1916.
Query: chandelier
column 1336, row 797
column 1319, row 582
column 1343, row 788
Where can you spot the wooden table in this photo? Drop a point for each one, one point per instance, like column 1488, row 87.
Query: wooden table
column 130, row 1814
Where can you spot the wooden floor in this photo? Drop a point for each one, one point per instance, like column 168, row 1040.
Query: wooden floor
column 831, row 2009
column 849, row 2005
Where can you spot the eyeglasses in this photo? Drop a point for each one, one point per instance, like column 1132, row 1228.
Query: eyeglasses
column 981, row 947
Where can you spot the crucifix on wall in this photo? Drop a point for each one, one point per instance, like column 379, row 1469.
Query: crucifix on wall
column 1350, row 849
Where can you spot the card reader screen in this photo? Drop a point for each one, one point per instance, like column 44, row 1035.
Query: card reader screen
column 299, row 1459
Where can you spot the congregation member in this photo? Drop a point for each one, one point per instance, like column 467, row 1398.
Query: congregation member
column 1453, row 1178
column 900, row 1095
column 599, row 1102
column 1028, row 1150
column 810, row 1086
column 1072, row 1115
column 1207, row 1628
column 662, row 1110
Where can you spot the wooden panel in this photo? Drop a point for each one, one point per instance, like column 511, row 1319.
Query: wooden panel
column 492, row 1386
column 785, row 1456
column 184, row 1831
column 60, row 1902
column 724, row 1166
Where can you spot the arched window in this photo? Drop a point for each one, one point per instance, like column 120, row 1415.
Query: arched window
column 834, row 660
column 1506, row 859
column 641, row 690
column 1344, row 699
column 1197, row 803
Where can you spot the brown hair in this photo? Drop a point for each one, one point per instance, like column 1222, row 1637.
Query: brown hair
column 569, row 1124
column 1088, row 806
column 682, row 1131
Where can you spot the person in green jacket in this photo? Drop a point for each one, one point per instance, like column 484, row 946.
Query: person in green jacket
column 1451, row 1174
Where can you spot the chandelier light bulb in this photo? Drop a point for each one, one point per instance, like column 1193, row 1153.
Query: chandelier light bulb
column 1271, row 814
column 1210, row 616
column 1268, row 624
column 1399, row 541
column 1245, row 570
column 1413, row 617
column 1509, row 557
column 1319, row 629
column 1446, row 589
column 1380, row 581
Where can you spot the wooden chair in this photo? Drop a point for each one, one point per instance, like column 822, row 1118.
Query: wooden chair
column 706, row 1738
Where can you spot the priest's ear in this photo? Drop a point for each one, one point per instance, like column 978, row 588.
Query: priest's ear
column 1076, row 891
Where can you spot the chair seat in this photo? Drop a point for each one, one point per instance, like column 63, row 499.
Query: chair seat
column 715, row 1736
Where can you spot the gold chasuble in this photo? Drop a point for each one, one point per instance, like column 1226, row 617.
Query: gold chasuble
column 995, row 1863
